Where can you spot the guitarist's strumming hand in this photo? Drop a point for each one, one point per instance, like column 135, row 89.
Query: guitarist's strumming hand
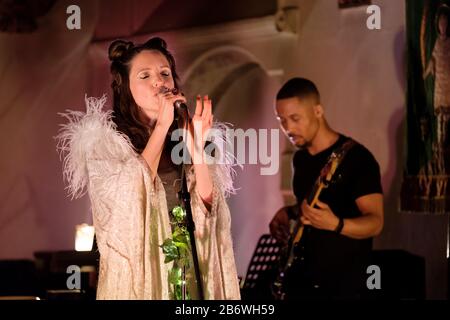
column 320, row 218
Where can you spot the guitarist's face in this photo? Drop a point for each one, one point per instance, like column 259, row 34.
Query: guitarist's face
column 299, row 119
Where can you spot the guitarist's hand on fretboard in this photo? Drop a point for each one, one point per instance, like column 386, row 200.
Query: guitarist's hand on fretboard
column 320, row 217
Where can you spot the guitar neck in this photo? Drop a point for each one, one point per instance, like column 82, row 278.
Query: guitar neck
column 314, row 194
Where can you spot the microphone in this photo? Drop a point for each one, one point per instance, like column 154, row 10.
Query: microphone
column 180, row 106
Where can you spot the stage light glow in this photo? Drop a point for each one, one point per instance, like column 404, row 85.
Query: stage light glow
column 84, row 237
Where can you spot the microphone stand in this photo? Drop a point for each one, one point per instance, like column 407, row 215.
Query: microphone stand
column 186, row 198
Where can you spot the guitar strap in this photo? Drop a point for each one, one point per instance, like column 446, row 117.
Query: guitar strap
column 343, row 149
column 340, row 150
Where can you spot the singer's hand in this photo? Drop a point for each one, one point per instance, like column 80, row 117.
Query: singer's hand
column 201, row 124
column 199, row 127
column 166, row 107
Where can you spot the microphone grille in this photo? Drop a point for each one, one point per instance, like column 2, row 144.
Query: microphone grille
column 180, row 104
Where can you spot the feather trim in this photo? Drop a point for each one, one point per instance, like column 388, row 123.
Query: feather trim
column 89, row 135
column 93, row 135
column 224, row 161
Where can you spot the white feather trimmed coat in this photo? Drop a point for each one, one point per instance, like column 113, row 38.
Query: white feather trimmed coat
column 130, row 212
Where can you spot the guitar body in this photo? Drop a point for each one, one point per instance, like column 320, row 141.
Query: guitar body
column 290, row 254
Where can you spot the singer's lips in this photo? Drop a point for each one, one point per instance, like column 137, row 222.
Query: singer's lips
column 165, row 90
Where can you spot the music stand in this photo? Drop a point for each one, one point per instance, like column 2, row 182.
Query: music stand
column 262, row 269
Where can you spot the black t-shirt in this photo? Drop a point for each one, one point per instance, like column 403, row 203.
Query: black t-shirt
column 334, row 264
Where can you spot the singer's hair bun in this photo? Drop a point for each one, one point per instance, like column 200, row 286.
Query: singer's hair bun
column 156, row 42
column 118, row 49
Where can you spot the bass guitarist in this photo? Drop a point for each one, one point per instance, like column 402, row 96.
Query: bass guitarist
column 333, row 253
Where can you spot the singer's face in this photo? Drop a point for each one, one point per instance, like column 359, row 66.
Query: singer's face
column 149, row 71
column 298, row 119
